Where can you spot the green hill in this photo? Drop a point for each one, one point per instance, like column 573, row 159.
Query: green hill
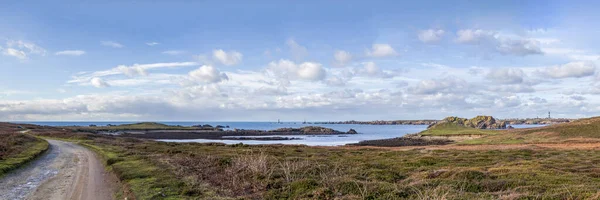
column 580, row 131
column 587, row 128
column 452, row 129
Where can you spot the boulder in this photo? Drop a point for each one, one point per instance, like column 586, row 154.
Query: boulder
column 352, row 131
column 485, row 122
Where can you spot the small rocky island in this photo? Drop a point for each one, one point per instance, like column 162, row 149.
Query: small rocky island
column 479, row 122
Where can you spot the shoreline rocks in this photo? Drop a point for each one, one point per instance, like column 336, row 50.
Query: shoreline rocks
column 479, row 122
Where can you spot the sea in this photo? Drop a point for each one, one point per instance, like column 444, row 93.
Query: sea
column 365, row 132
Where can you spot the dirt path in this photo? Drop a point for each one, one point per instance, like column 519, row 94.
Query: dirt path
column 67, row 171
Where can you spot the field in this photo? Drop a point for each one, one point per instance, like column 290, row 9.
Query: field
column 545, row 163
column 16, row 149
column 580, row 131
column 449, row 129
column 157, row 170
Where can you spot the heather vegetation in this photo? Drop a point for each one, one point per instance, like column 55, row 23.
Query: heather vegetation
column 156, row 170
column 17, row 148
column 160, row 170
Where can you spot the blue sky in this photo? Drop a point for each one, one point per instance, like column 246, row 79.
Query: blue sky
column 317, row 60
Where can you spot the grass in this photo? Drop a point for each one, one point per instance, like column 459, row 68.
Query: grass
column 288, row 172
column 141, row 178
column 580, row 131
column 450, row 129
column 17, row 149
column 159, row 170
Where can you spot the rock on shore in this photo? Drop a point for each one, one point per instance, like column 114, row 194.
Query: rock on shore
column 480, row 122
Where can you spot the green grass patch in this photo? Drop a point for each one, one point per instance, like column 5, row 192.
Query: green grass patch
column 450, row 129
column 142, row 178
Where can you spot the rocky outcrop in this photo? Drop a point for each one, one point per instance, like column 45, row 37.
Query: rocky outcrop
column 352, row 131
column 307, row 129
column 480, row 122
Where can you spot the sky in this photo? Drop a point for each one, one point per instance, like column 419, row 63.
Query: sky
column 297, row 60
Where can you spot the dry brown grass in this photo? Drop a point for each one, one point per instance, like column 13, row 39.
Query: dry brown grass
column 14, row 143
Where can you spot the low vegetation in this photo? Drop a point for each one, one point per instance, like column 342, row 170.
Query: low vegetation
column 156, row 170
column 451, row 129
column 16, row 149
column 580, row 131
column 160, row 170
column 403, row 141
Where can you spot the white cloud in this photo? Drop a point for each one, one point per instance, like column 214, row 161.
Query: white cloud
column 70, row 53
column 99, row 83
column 519, row 47
column 207, row 74
column 431, row 35
column 342, row 57
column 506, row 75
column 336, row 81
column 298, row 51
column 29, row 47
column 152, row 43
column 21, row 49
column 494, row 41
column 112, row 44
column 132, row 70
column 288, row 70
column 227, row 58
column 173, row 52
column 15, row 53
column 577, row 97
column 508, row 101
column 381, row 50
column 571, row 70
column 572, row 54
column 370, row 69
column 444, row 85
column 311, row 71
column 538, row 100
column 469, row 36
column 140, row 69
column 514, row 88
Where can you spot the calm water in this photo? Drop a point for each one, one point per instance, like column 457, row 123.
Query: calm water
column 366, row 132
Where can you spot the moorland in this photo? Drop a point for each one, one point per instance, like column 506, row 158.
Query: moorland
column 553, row 162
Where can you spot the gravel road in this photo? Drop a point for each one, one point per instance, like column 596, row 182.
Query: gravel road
column 66, row 171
